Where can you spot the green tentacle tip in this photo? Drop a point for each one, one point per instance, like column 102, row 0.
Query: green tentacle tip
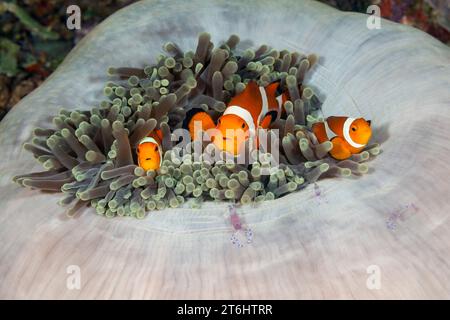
column 169, row 182
column 299, row 180
column 324, row 167
column 365, row 155
column 308, row 93
column 117, row 126
column 327, row 145
column 91, row 155
column 48, row 164
column 120, row 91
column 160, row 205
column 229, row 194
column 191, row 83
column 170, row 62
column 246, row 199
column 197, row 192
column 310, row 164
column 198, row 67
column 256, row 172
column 109, row 213
column 111, row 71
column 173, row 203
column 374, row 151
column 345, row 172
column 292, row 186
column 138, row 171
column 151, row 205
column 107, row 91
column 311, row 119
column 140, row 213
column 291, row 81
column 304, row 144
column 363, row 168
column 165, row 82
column 100, row 210
column 133, row 81
column 113, row 204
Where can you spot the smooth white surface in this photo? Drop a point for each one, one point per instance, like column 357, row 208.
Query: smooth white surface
column 304, row 247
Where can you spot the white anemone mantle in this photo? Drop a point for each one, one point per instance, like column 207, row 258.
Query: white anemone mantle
column 304, row 246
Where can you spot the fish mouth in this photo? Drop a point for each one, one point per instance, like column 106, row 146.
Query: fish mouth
column 148, row 159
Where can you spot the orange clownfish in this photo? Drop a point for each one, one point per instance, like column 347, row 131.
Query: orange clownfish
column 348, row 135
column 149, row 151
column 255, row 107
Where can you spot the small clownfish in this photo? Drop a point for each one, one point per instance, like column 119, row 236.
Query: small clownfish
column 149, row 151
column 348, row 135
column 255, row 107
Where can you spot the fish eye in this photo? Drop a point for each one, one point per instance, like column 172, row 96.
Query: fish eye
column 156, row 148
column 353, row 128
column 243, row 125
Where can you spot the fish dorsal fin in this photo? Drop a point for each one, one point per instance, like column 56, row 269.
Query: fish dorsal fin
column 250, row 93
column 159, row 134
column 249, row 99
column 336, row 124
column 272, row 88
column 247, row 104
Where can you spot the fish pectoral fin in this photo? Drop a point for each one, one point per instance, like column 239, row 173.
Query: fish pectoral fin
column 339, row 150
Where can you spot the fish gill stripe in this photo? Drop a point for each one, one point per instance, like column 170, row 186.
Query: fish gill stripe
column 330, row 133
column 244, row 115
column 265, row 104
column 280, row 105
column 280, row 102
column 347, row 136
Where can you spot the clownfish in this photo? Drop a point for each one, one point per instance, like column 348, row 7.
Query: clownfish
column 149, row 151
column 255, row 107
column 348, row 135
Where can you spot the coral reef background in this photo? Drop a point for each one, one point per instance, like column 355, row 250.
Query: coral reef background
column 28, row 57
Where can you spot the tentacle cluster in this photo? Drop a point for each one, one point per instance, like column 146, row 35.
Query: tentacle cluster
column 90, row 155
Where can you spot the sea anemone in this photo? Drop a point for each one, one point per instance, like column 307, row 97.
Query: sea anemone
column 307, row 244
column 88, row 155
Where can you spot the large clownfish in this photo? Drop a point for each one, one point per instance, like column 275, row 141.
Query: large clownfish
column 348, row 135
column 149, row 151
column 255, row 107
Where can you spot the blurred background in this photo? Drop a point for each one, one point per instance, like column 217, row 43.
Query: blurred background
column 34, row 38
